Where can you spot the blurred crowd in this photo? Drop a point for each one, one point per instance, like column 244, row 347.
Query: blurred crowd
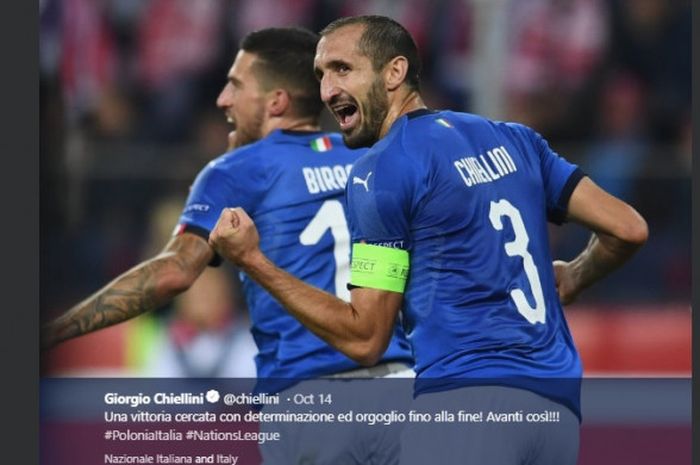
column 128, row 118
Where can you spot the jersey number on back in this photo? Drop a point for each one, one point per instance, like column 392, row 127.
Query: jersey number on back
column 331, row 216
column 518, row 247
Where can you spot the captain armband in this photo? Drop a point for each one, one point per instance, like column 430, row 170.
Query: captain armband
column 379, row 267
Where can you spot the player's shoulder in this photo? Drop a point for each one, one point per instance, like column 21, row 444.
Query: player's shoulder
column 236, row 164
column 519, row 130
column 251, row 154
column 430, row 127
column 517, row 133
column 441, row 122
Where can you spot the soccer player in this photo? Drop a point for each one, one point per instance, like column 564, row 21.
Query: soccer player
column 448, row 213
column 290, row 177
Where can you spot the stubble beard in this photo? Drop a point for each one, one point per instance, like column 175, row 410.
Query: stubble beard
column 250, row 132
column 377, row 105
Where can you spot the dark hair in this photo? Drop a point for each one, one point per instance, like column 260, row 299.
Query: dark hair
column 285, row 58
column 382, row 40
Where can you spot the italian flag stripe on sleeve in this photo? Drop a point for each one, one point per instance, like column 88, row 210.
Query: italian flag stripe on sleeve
column 322, row 144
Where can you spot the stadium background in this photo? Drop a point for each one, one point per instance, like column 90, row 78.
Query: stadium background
column 127, row 119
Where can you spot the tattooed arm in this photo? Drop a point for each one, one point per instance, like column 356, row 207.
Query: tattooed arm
column 145, row 287
column 618, row 232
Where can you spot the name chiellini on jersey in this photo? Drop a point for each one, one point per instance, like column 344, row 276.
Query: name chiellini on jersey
column 469, row 199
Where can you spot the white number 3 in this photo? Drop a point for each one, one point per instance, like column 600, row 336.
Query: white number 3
column 518, row 247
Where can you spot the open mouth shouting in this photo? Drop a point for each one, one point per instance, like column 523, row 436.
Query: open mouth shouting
column 231, row 121
column 347, row 115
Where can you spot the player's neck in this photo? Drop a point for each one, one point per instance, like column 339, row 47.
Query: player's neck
column 404, row 103
column 293, row 124
column 302, row 125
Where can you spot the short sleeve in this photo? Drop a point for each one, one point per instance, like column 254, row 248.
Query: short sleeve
column 559, row 176
column 223, row 183
column 380, row 201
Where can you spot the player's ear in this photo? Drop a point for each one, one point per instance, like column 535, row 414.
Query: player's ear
column 395, row 72
column 278, row 102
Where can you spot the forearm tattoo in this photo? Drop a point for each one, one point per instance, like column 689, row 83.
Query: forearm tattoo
column 129, row 296
column 141, row 289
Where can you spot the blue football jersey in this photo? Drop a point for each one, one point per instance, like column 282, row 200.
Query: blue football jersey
column 291, row 184
column 470, row 199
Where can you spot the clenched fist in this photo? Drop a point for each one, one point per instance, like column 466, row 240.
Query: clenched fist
column 235, row 236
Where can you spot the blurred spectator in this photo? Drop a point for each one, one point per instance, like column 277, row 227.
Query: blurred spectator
column 251, row 15
column 555, row 47
column 49, row 37
column 88, row 55
column 619, row 148
column 178, row 43
column 664, row 195
column 652, row 39
column 448, row 54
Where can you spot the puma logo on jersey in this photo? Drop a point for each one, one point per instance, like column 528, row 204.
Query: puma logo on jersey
column 356, row 180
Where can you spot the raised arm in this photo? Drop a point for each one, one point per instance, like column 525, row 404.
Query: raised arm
column 361, row 328
column 147, row 286
column 618, row 232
